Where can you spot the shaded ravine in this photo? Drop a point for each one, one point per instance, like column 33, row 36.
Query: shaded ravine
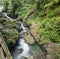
column 22, row 44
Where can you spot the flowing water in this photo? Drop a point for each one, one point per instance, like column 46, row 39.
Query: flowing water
column 5, row 14
column 1, row 7
column 22, row 45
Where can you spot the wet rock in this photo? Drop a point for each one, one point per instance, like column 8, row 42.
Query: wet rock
column 35, row 31
column 20, row 50
column 49, row 57
column 29, row 39
column 40, row 57
column 23, row 58
column 31, row 57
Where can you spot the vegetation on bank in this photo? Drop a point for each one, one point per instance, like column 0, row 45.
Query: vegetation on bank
column 43, row 16
column 10, row 30
column 48, row 15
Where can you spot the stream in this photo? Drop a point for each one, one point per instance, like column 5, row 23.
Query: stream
column 21, row 45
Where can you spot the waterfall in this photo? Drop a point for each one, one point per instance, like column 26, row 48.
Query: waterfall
column 1, row 7
column 5, row 14
column 22, row 45
column 24, row 29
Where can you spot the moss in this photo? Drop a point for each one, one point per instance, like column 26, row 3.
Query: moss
column 2, row 20
column 7, row 42
column 51, row 3
column 10, row 30
column 29, row 39
column 48, row 29
column 11, row 34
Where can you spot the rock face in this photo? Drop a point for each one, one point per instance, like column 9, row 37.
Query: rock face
column 31, row 57
column 53, row 51
column 35, row 31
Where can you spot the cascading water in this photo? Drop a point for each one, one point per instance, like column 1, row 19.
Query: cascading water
column 1, row 7
column 24, row 30
column 22, row 45
column 5, row 14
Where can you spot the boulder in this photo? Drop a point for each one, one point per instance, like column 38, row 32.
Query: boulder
column 29, row 39
column 35, row 31
column 31, row 57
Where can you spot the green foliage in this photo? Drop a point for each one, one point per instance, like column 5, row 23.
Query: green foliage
column 50, row 29
column 7, row 42
column 6, row 6
column 2, row 20
column 41, row 3
column 10, row 31
column 12, row 7
column 11, row 34
column 48, row 16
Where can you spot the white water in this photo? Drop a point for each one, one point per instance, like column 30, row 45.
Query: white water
column 24, row 29
column 25, row 48
column 22, row 45
column 7, row 16
column 1, row 7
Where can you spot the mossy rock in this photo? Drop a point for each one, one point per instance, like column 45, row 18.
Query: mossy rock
column 2, row 20
column 11, row 34
column 35, row 30
column 29, row 39
column 23, row 58
column 31, row 57
column 10, row 24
